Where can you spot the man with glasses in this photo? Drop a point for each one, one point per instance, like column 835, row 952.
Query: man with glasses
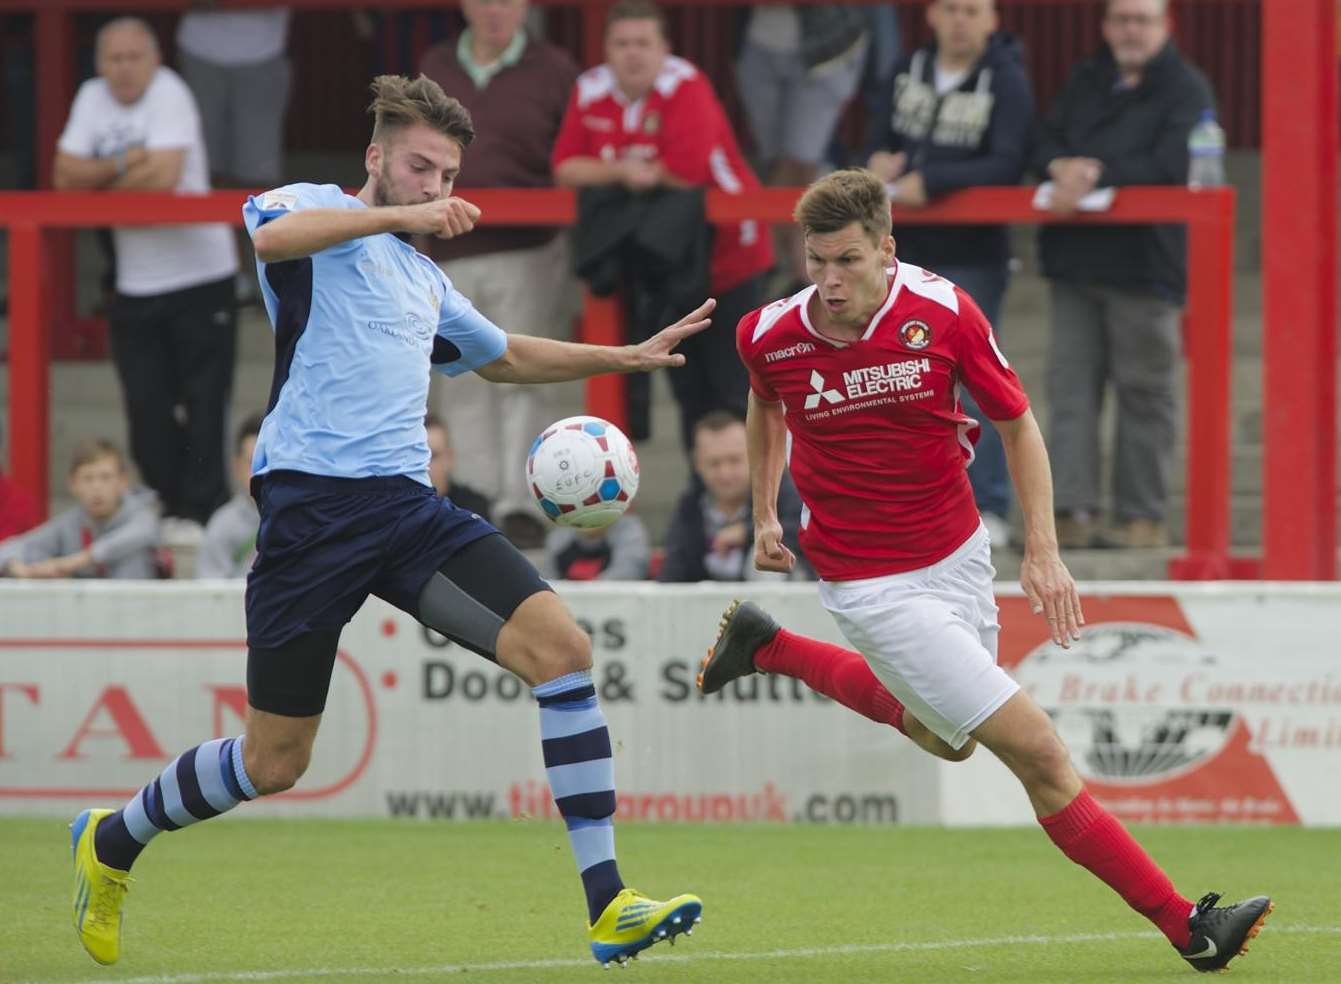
column 1123, row 118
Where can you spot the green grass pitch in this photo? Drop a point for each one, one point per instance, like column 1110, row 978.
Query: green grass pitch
column 366, row 901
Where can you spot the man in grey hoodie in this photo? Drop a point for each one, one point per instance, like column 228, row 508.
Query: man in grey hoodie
column 112, row 532
column 961, row 115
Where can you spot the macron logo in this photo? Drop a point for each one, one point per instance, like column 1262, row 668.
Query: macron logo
column 827, row 395
column 800, row 348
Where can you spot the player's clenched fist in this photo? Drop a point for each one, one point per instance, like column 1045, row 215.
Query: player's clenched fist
column 444, row 218
column 770, row 553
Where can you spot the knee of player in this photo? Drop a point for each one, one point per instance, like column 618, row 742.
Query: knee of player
column 271, row 774
column 962, row 753
column 564, row 652
column 1047, row 756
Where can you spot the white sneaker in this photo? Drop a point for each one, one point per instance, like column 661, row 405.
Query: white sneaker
column 998, row 530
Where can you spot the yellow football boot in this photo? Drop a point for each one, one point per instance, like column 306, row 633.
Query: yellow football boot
column 99, row 892
column 632, row 922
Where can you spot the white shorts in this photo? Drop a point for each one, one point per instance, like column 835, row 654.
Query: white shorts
column 930, row 636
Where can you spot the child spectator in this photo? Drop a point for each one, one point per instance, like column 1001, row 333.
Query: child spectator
column 112, row 532
column 620, row 552
column 711, row 534
column 229, row 545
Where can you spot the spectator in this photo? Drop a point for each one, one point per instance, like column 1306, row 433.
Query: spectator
column 1123, row 118
column 515, row 87
column 229, row 546
column 18, row 508
column 648, row 120
column 620, row 552
column 959, row 114
column 173, row 323
column 20, row 97
column 112, row 532
column 798, row 67
column 711, row 535
column 399, row 39
column 877, row 80
column 236, row 64
column 441, row 465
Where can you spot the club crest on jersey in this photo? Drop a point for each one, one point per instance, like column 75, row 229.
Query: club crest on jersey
column 915, row 334
column 652, row 122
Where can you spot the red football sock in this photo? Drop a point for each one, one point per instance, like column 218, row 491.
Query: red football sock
column 1095, row 839
column 832, row 671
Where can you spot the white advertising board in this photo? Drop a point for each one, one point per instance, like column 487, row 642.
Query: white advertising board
column 1180, row 703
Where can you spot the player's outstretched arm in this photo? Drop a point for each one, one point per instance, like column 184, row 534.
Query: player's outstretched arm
column 1043, row 576
column 766, row 445
column 544, row 360
column 310, row 230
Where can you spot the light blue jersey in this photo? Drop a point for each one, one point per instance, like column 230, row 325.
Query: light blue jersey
column 357, row 327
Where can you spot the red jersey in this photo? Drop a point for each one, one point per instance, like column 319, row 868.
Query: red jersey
column 681, row 124
column 877, row 443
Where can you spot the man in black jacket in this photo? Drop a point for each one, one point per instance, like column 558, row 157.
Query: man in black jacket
column 1123, row 118
column 711, row 535
column 960, row 115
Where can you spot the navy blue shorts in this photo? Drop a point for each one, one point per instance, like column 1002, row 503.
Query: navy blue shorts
column 325, row 544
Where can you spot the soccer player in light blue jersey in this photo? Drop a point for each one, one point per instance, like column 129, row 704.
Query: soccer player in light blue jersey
column 340, row 475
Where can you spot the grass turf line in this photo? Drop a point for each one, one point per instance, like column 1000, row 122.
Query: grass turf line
column 292, row 896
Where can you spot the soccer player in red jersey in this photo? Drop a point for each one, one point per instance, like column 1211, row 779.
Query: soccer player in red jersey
column 855, row 386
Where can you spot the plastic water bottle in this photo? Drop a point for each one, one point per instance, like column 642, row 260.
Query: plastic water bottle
column 1206, row 153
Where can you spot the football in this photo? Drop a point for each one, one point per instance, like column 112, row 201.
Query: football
column 583, row 471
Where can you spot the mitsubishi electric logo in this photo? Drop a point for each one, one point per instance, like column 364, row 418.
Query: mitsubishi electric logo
column 827, row 395
column 902, row 377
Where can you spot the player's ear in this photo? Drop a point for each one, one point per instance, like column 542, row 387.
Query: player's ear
column 372, row 160
column 887, row 250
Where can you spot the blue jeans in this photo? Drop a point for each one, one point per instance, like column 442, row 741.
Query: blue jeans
column 988, row 474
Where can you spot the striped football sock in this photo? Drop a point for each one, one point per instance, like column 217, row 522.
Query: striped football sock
column 199, row 784
column 581, row 775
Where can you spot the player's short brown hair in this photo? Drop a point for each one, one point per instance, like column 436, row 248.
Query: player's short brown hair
column 93, row 449
column 837, row 200
column 399, row 101
column 637, row 10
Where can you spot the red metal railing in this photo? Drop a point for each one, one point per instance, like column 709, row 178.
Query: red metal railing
column 1298, row 127
column 32, row 218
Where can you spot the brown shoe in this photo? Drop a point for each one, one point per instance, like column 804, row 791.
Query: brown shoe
column 1075, row 531
column 1134, row 534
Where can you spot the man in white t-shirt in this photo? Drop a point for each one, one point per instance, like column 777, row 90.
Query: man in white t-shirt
column 236, row 65
column 173, row 324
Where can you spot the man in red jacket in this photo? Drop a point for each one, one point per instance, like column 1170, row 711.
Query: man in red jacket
column 648, row 119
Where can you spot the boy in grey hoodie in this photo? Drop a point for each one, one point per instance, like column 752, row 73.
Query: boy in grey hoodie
column 112, row 532
column 229, row 545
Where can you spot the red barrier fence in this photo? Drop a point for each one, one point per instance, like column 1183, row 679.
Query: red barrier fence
column 33, row 217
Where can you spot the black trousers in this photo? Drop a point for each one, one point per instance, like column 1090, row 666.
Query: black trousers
column 174, row 353
column 713, row 377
